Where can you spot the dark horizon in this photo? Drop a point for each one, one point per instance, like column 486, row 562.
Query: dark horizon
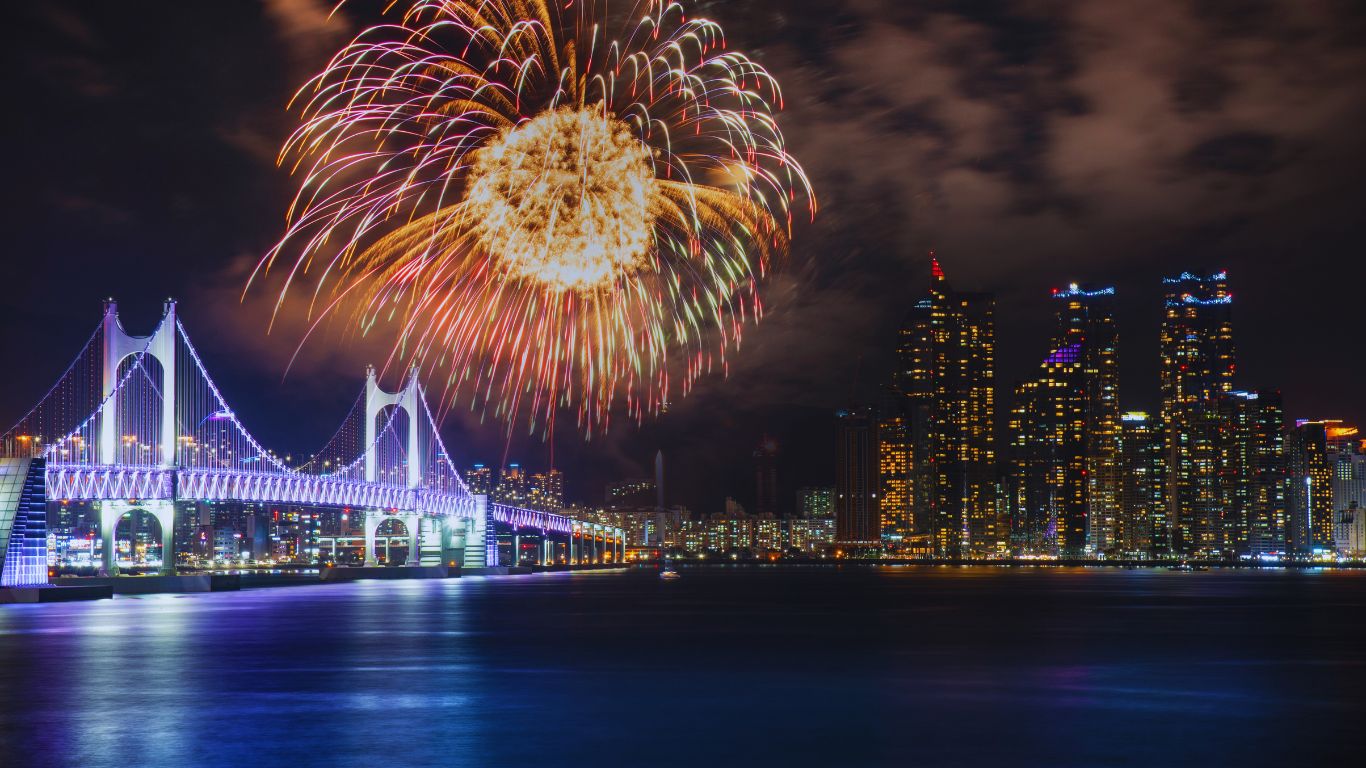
column 1025, row 150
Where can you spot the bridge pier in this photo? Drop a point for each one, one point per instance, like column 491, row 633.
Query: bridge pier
column 451, row 527
column 373, row 520
column 111, row 512
column 414, row 525
column 411, row 521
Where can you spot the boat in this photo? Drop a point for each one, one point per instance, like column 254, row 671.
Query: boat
column 667, row 572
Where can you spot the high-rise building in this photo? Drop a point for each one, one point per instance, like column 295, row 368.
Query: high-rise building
column 1251, row 470
column 766, row 477
column 1085, row 316
column 811, row 535
column 768, row 534
column 1048, row 458
column 479, row 479
column 545, row 491
column 1347, row 462
column 1197, row 364
column 894, row 475
column 816, row 502
column 856, row 481
column 1310, row 486
column 631, row 493
column 1141, row 528
column 946, row 373
column 512, row 486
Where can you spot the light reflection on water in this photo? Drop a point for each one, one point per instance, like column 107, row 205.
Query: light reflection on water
column 906, row 666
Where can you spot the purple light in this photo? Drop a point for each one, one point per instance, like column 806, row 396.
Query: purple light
column 95, row 483
column 1068, row 354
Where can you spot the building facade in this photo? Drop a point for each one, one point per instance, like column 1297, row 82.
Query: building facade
column 1197, row 364
column 1086, row 317
column 1141, row 529
column 1048, row 459
column 1252, row 482
column 897, row 514
column 816, row 501
column 946, row 375
column 1347, row 462
column 856, row 481
column 1310, row 487
column 766, row 477
column 545, row 491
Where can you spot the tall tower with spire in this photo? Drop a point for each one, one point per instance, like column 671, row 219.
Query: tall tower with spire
column 945, row 380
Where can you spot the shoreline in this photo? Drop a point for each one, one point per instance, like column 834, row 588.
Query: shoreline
column 1171, row 565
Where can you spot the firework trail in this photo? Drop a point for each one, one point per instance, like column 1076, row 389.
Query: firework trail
column 549, row 212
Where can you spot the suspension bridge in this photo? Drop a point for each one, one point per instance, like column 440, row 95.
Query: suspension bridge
column 137, row 423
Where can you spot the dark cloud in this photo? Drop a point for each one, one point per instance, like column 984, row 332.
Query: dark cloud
column 1201, row 90
column 1244, row 152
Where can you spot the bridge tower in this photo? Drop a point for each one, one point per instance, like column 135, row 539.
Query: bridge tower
column 409, row 400
column 119, row 346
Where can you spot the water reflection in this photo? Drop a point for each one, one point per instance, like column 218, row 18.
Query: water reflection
column 905, row 666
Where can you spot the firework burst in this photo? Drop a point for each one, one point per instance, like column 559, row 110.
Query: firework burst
column 551, row 213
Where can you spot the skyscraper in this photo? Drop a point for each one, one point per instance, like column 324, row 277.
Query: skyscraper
column 1085, row 316
column 1065, row 450
column 1141, row 528
column 512, row 486
column 1347, row 462
column 1252, row 503
column 479, row 478
column 638, row 492
column 946, row 373
column 894, row 473
column 1197, row 364
column 856, row 477
column 766, row 477
column 1048, row 458
column 815, row 502
column 545, row 491
column 1310, row 486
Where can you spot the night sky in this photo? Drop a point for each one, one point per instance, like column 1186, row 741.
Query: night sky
column 1029, row 144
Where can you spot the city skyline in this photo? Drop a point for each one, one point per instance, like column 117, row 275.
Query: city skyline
column 1006, row 397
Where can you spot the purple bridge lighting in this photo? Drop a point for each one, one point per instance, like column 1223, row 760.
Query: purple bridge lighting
column 137, row 423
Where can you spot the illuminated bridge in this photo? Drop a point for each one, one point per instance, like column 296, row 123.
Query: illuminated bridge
column 136, row 422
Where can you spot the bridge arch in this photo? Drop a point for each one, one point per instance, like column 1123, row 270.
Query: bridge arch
column 118, row 347
column 378, row 402
column 113, row 512
column 412, row 525
column 389, row 529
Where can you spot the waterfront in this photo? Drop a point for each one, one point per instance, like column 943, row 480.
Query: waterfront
column 745, row 666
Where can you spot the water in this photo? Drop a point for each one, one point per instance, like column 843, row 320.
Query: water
column 907, row 666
